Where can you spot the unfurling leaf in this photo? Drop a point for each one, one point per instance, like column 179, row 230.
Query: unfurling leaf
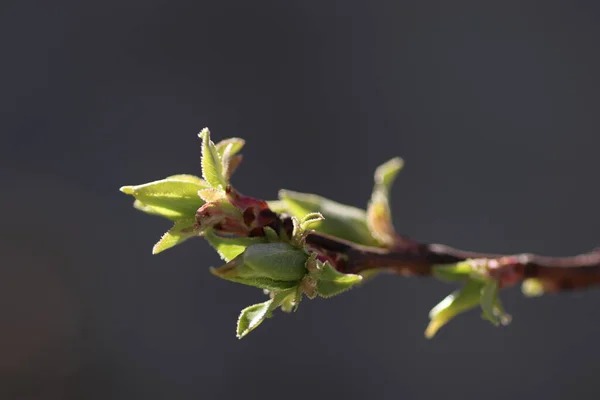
column 230, row 247
column 212, row 168
column 489, row 294
column 386, row 173
column 456, row 303
column 180, row 232
column 272, row 266
column 331, row 282
column 173, row 198
column 454, row 272
column 252, row 316
column 235, row 146
column 379, row 215
column 279, row 261
column 341, row 220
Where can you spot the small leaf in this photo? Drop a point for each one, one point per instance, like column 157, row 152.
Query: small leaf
column 158, row 211
column 488, row 301
column 343, row 221
column 273, row 266
column 212, row 169
column 172, row 198
column 228, row 273
column 292, row 300
column 453, row 272
column 189, row 178
column 386, row 173
column 279, row 261
column 180, row 232
column 270, row 234
column 379, row 215
column 230, row 248
column 251, row 317
column 379, row 220
column 310, row 219
column 235, row 144
column 456, row 303
column 211, row 195
column 332, row 282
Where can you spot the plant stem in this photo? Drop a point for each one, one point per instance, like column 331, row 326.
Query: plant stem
column 412, row 258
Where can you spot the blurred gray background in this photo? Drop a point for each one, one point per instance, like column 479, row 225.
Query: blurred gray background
column 493, row 105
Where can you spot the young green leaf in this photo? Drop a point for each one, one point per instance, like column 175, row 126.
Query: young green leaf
column 172, row 198
column 230, row 247
column 253, row 316
column 454, row 272
column 386, row 173
column 273, row 266
column 456, row 303
column 278, row 261
column 180, row 232
column 489, row 293
column 331, row 282
column 341, row 220
column 212, row 168
column 379, row 215
column 235, row 146
column 189, row 178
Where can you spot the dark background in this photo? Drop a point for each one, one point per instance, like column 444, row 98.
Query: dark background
column 493, row 106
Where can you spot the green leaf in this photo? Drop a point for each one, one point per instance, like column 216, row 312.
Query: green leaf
column 279, row 261
column 212, row 169
column 386, row 173
column 273, row 266
column 172, row 198
column 180, row 232
column 343, row 221
column 253, row 316
column 235, row 146
column 230, row 247
column 489, row 294
column 453, row 272
column 189, row 178
column 456, row 303
column 379, row 215
column 332, row 282
column 228, row 273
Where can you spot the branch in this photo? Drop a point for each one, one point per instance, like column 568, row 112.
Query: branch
column 413, row 258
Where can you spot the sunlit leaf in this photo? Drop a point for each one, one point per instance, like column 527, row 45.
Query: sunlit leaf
column 251, row 317
column 488, row 301
column 332, row 282
column 180, row 232
column 172, row 198
column 235, row 146
column 379, row 215
column 343, row 221
column 453, row 272
column 230, row 247
column 456, row 303
column 212, row 169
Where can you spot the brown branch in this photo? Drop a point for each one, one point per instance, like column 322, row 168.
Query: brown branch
column 412, row 258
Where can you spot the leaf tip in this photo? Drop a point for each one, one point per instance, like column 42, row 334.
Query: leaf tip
column 204, row 133
column 127, row 189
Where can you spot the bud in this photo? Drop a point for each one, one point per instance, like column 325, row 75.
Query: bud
column 272, row 266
